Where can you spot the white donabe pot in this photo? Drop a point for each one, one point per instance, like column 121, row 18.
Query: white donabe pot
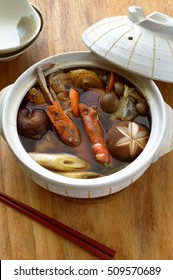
column 160, row 140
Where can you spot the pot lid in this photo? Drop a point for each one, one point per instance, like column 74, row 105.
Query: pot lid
column 138, row 43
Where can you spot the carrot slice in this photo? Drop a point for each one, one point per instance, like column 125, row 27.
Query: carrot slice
column 74, row 99
column 111, row 82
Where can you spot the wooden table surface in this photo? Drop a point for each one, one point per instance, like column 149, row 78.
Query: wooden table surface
column 138, row 221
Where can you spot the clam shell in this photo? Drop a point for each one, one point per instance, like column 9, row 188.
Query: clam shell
column 140, row 44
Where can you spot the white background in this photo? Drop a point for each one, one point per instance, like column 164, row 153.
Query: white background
column 91, row 269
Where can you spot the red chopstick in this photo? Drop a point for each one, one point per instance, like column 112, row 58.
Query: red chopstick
column 96, row 248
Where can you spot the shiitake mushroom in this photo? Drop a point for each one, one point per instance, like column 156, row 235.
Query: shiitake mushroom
column 142, row 107
column 119, row 88
column 32, row 124
column 109, row 102
column 125, row 140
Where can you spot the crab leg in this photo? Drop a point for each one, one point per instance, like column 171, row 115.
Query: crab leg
column 64, row 126
column 42, row 82
column 95, row 133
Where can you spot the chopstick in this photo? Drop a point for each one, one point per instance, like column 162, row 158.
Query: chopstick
column 96, row 248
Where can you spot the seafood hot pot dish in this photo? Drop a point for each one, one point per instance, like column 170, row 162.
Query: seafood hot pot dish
column 83, row 122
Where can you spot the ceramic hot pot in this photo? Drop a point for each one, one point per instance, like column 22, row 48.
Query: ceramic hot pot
column 160, row 140
column 161, row 113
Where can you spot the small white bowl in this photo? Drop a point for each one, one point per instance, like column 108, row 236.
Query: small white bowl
column 19, row 25
column 160, row 141
column 12, row 55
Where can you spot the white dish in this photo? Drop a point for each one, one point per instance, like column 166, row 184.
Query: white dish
column 12, row 55
column 19, row 25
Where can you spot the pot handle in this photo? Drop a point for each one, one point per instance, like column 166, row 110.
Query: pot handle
column 3, row 95
column 167, row 144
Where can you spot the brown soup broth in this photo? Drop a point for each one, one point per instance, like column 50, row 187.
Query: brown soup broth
column 51, row 143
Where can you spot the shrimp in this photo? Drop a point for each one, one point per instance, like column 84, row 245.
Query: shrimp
column 95, row 133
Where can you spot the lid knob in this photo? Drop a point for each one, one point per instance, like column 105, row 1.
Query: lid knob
column 136, row 14
column 156, row 21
